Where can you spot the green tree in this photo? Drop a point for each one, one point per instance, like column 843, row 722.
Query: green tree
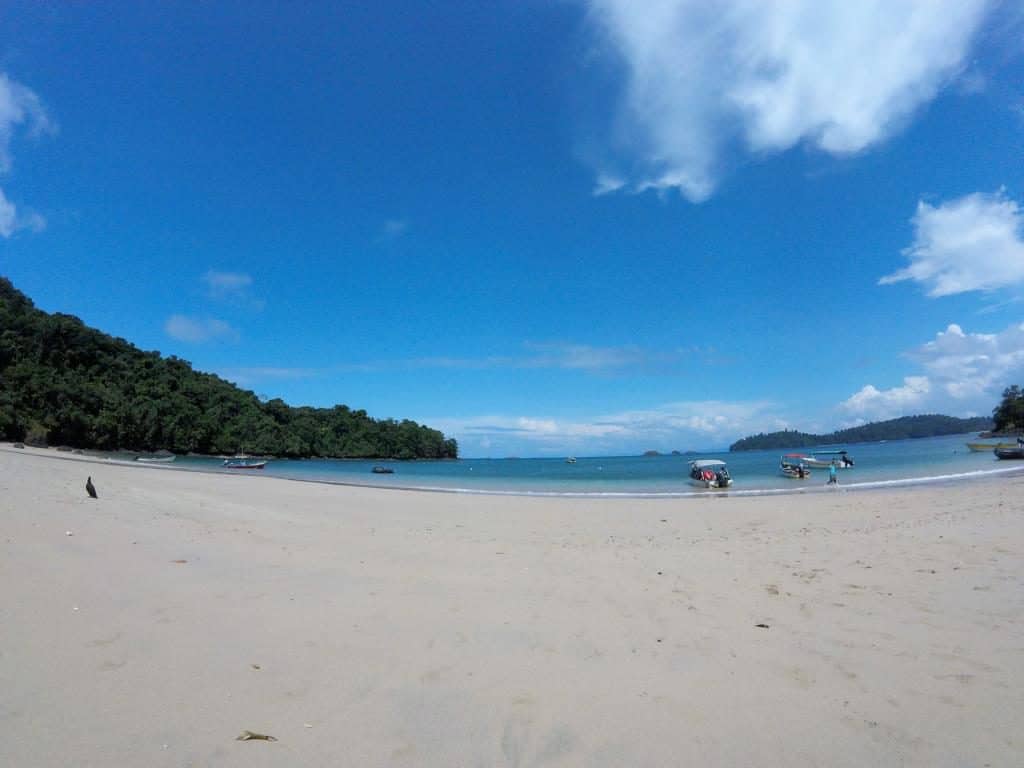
column 1009, row 414
column 62, row 382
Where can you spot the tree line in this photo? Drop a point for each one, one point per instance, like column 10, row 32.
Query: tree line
column 903, row 428
column 64, row 383
column 1009, row 414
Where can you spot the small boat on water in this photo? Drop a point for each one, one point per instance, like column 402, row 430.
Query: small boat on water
column 383, row 471
column 985, row 447
column 710, row 473
column 156, row 459
column 1011, row 452
column 243, row 464
column 824, row 459
column 794, row 465
column 571, row 460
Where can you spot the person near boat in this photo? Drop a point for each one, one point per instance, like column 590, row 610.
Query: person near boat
column 833, row 478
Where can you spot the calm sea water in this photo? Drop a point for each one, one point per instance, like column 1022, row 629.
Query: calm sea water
column 877, row 464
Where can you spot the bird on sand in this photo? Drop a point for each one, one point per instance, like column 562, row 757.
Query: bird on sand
column 90, row 488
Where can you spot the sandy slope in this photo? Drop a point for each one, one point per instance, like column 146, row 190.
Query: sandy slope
column 414, row 629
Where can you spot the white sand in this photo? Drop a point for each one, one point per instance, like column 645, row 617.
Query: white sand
column 417, row 629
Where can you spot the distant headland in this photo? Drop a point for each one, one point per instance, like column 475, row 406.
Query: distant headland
column 903, row 428
column 64, row 383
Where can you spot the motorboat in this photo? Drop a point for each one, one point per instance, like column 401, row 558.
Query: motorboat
column 1012, row 452
column 383, row 471
column 985, row 447
column 824, row 459
column 710, row 473
column 243, row 464
column 571, row 460
column 156, row 459
column 794, row 465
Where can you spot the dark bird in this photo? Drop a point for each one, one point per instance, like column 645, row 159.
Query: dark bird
column 90, row 488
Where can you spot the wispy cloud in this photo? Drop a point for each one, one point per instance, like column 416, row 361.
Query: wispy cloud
column 11, row 219
column 199, row 330
column 555, row 355
column 709, row 83
column 20, row 108
column 394, row 229
column 254, row 374
column 973, row 243
column 232, row 287
column 678, row 425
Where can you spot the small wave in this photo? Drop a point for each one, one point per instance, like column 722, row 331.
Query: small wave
column 687, row 494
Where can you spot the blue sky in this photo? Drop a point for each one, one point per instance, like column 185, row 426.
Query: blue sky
column 588, row 227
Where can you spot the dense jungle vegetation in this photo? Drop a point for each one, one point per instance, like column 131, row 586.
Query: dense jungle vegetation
column 63, row 383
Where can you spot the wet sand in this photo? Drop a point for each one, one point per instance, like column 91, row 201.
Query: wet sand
column 391, row 628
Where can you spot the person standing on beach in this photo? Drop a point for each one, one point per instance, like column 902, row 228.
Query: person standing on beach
column 832, row 479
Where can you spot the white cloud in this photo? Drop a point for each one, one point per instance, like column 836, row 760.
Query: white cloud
column 19, row 106
column 11, row 220
column 705, row 79
column 973, row 243
column 232, row 287
column 963, row 373
column 680, row 425
column 873, row 403
column 973, row 366
column 197, row 330
column 8, row 216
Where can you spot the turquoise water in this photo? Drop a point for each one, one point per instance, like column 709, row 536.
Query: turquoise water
column 755, row 472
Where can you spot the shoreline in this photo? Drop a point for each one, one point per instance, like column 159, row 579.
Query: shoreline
column 688, row 493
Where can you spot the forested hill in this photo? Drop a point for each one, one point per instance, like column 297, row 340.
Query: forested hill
column 929, row 425
column 63, row 383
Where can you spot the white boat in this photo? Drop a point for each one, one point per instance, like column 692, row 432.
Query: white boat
column 571, row 460
column 155, row 459
column 243, row 464
column 794, row 465
column 824, row 459
column 710, row 473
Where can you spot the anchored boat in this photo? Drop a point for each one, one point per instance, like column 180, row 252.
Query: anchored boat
column 243, row 464
column 794, row 465
column 824, row 459
column 983, row 447
column 710, row 473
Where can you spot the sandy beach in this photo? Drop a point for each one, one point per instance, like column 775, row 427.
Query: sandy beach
column 365, row 627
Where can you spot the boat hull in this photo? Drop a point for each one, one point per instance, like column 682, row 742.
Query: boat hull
column 710, row 483
column 985, row 447
column 794, row 473
column 246, row 465
column 1013, row 452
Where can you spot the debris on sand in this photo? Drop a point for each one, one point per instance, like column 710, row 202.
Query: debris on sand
column 251, row 736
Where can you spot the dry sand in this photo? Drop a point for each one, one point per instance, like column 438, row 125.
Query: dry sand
column 368, row 627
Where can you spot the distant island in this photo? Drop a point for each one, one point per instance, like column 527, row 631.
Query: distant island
column 63, row 383
column 928, row 425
